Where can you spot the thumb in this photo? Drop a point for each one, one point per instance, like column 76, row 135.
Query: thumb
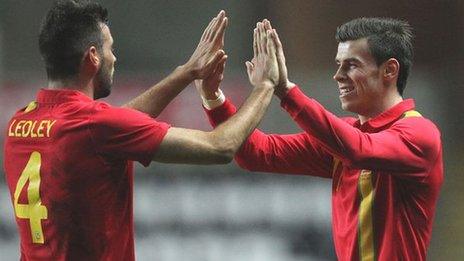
column 249, row 67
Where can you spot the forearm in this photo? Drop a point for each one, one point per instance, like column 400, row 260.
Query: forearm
column 290, row 154
column 154, row 100
column 233, row 132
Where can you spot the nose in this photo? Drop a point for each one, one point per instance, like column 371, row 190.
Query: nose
column 339, row 75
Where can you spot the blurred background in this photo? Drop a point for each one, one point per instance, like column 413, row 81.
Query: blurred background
column 222, row 212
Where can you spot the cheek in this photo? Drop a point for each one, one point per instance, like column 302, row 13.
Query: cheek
column 359, row 79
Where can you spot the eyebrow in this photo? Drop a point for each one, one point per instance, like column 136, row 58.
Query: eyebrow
column 348, row 60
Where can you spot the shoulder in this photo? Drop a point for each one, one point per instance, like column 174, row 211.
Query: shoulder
column 104, row 112
column 420, row 126
column 420, row 133
column 106, row 117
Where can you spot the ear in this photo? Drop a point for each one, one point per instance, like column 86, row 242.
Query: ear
column 91, row 61
column 93, row 56
column 391, row 69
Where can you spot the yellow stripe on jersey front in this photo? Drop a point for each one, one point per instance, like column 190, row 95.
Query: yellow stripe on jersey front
column 365, row 217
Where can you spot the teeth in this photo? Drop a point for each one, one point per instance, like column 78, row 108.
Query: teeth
column 344, row 91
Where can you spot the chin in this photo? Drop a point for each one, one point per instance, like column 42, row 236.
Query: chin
column 350, row 107
column 345, row 105
column 102, row 94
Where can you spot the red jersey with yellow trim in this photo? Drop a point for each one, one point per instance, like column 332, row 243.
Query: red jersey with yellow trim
column 68, row 164
column 386, row 173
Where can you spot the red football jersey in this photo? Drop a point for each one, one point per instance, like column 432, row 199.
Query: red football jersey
column 386, row 173
column 68, row 164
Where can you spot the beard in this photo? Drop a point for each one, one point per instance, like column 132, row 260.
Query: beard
column 103, row 82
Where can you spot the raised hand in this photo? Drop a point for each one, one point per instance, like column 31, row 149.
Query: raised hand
column 209, row 52
column 284, row 84
column 263, row 70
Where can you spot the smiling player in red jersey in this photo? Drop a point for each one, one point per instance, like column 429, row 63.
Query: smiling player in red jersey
column 69, row 159
column 386, row 166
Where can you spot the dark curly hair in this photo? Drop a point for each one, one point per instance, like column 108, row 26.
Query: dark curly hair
column 67, row 31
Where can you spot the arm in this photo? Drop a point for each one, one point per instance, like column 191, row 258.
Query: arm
column 409, row 145
column 290, row 154
column 219, row 146
column 204, row 60
column 295, row 154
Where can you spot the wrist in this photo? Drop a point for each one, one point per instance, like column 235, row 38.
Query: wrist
column 209, row 95
column 186, row 72
column 214, row 103
column 282, row 90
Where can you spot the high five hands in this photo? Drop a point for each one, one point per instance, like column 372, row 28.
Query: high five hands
column 267, row 66
column 263, row 69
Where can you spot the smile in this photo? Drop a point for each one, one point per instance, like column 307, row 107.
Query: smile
column 346, row 90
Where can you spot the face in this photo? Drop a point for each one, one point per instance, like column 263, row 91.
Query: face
column 359, row 78
column 104, row 77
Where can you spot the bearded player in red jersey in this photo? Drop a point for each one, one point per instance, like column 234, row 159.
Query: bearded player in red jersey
column 69, row 158
column 386, row 166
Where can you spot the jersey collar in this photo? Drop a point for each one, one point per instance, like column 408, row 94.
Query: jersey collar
column 61, row 95
column 389, row 115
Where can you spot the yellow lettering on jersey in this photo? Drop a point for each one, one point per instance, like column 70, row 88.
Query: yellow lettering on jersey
column 10, row 129
column 30, row 129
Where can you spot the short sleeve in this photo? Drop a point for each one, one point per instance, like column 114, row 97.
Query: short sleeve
column 125, row 133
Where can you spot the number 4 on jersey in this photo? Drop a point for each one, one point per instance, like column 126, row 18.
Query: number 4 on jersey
column 34, row 210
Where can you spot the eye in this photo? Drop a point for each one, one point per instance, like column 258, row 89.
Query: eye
column 353, row 65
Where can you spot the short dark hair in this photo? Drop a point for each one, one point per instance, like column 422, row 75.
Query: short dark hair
column 69, row 28
column 387, row 38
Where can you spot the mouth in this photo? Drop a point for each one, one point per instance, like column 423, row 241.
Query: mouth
column 346, row 90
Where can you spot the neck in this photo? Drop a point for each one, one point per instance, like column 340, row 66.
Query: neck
column 384, row 105
column 82, row 86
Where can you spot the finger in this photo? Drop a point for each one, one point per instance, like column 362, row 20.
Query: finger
column 255, row 42
column 267, row 24
column 262, row 34
column 211, row 29
column 216, row 59
column 203, row 36
column 270, row 45
column 216, row 27
column 221, row 65
column 278, row 43
column 259, row 38
column 249, row 67
column 207, row 30
column 218, row 36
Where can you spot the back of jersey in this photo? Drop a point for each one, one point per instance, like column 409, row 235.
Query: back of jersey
column 68, row 164
column 28, row 140
column 62, row 194
column 41, row 142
